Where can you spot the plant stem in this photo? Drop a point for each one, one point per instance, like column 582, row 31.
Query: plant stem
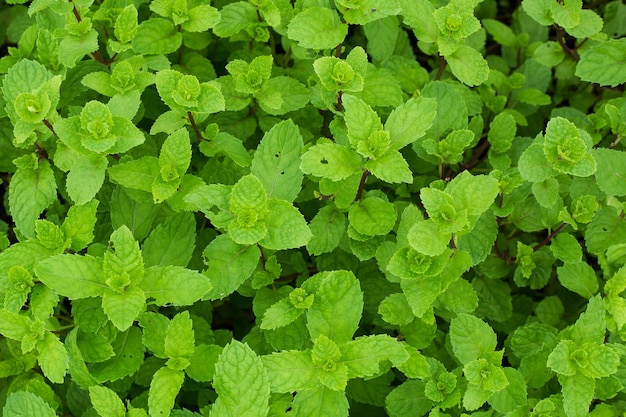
column 362, row 184
column 569, row 51
column 549, row 237
column 194, row 126
column 442, row 66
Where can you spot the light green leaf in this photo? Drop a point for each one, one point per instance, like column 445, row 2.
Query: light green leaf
column 395, row 309
column 468, row 65
column 611, row 172
column 282, row 95
column 330, row 160
column 390, row 167
column 123, row 308
column 317, row 28
column 408, row 399
column 26, row 404
column 500, row 32
column 179, row 337
column 31, row 191
column 13, row 325
column 327, row 228
column 546, row 192
column 171, row 242
column 577, row 394
column 235, row 17
column 363, row 355
column 86, row 177
column 337, row 307
column 479, row 242
column 361, row 120
column 72, row 48
column 591, row 325
column 129, row 356
column 533, row 165
column 73, row 276
column 94, row 347
column 286, row 227
column 410, row 121
column 603, row 63
column 277, row 159
column 202, row 363
column 175, row 155
column 156, row 36
column 241, row 383
column 280, row 314
column 229, row 265
column 320, row 401
column 174, row 285
column 138, row 174
column 164, row 388
column 79, row 224
column 290, row 371
column 425, row 237
column 52, row 358
column 106, row 402
column 578, row 277
column 540, row 10
column 381, row 37
column 201, row 18
column 502, row 130
column 476, row 193
column 372, row 216
column 513, row 395
column 471, row 338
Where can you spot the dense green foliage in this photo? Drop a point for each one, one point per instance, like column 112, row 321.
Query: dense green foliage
column 312, row 208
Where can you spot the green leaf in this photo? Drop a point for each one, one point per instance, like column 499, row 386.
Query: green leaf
column 479, row 242
column 475, row 193
column 410, row 121
column 468, row 65
column 281, row 95
column 603, row 63
column 52, row 358
column 546, row 192
column 13, row 325
column 73, row 276
column 567, row 147
column 290, row 371
column 72, row 48
column 363, row 356
column 361, row 120
column 122, row 308
column 129, row 356
column 79, row 224
column 175, row 155
column 320, row 401
column 591, row 325
column 577, row 394
column 138, row 174
column 179, row 338
column 174, row 285
column 337, row 307
column 372, row 216
column 533, row 165
column 611, row 172
column 408, row 399
column 502, row 130
column 500, row 32
column 604, row 230
column 86, row 177
column 172, row 242
column 94, row 347
column 277, row 159
column 156, row 36
column 425, row 237
column 164, row 388
column 202, row 363
column 317, row 28
column 578, row 277
column 26, row 404
column 513, row 395
column 330, row 160
column 241, row 382
column 286, row 227
column 395, row 309
column 201, row 18
column 540, row 10
column 106, row 402
column 390, row 167
column 471, row 338
column 229, row 265
column 235, row 17
column 31, row 191
column 327, row 228
column 280, row 314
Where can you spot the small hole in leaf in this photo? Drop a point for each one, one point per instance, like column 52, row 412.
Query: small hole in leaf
column 282, row 173
column 323, row 161
column 277, row 155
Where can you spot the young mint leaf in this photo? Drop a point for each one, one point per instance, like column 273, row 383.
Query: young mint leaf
column 241, row 382
column 390, row 167
column 129, row 356
column 138, row 174
column 601, row 63
column 52, row 357
column 31, row 191
column 172, row 242
column 290, row 371
column 337, row 307
column 410, row 121
column 317, row 28
column 327, row 228
column 281, row 314
column 468, row 65
column 363, row 356
column 361, row 120
column 567, row 148
column 471, row 338
column 85, row 178
column 106, row 402
column 79, row 224
column 277, row 159
column 24, row 403
column 235, row 17
column 578, row 277
column 202, row 363
column 156, row 36
column 164, row 388
column 179, row 337
column 311, row 402
column 330, row 160
column 286, row 227
column 123, row 306
column 94, row 347
column 577, row 394
column 611, row 172
column 372, row 216
column 229, row 265
column 174, row 285
column 73, row 276
column 426, row 238
column 281, row 95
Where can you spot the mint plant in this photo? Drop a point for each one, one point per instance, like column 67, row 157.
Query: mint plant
column 312, row 208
